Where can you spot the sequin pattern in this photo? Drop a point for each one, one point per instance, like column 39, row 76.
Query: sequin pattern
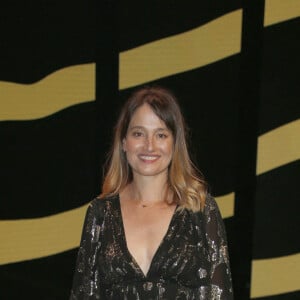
column 190, row 263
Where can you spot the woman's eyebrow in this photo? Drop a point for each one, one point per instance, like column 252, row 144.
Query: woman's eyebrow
column 143, row 127
column 136, row 127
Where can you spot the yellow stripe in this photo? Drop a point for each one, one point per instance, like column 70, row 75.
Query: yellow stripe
column 226, row 205
column 216, row 40
column 278, row 147
column 275, row 276
column 57, row 91
column 40, row 237
column 280, row 10
column 34, row 238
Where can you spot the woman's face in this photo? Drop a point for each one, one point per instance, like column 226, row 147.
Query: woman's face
column 148, row 144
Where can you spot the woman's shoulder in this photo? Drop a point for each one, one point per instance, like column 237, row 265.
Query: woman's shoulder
column 210, row 207
column 102, row 203
column 210, row 203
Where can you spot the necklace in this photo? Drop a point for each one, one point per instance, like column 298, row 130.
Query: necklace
column 160, row 204
column 143, row 205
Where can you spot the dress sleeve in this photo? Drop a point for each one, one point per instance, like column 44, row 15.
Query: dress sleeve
column 86, row 281
column 215, row 235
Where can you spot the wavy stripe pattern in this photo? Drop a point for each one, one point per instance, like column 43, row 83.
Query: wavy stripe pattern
column 59, row 90
column 183, row 52
column 216, row 40
column 172, row 55
column 169, row 56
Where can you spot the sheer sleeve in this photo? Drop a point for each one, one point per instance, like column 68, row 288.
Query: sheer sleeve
column 86, row 281
column 215, row 235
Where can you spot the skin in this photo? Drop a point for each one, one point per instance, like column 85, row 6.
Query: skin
column 144, row 202
column 148, row 144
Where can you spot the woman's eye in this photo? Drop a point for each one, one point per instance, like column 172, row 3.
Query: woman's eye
column 162, row 135
column 137, row 133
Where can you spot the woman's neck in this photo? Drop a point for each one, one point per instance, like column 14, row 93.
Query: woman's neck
column 149, row 191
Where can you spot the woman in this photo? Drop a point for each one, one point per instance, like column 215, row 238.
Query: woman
column 154, row 232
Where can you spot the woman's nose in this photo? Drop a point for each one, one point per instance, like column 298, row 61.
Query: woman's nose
column 150, row 143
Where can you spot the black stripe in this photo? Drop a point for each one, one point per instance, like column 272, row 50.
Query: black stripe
column 44, row 36
column 47, row 278
column 280, row 75
column 277, row 219
column 48, row 165
column 252, row 35
column 107, row 75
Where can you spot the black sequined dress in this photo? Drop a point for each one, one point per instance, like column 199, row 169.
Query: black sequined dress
column 190, row 263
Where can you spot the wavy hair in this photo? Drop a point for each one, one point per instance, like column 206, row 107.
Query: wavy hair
column 186, row 182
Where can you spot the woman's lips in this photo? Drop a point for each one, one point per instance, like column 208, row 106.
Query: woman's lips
column 148, row 158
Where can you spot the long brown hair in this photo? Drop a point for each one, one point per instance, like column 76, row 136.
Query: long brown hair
column 184, row 179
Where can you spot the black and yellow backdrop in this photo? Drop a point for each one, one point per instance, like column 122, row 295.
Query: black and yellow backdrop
column 67, row 66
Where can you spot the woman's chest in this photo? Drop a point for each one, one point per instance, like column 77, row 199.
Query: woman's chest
column 180, row 256
column 144, row 235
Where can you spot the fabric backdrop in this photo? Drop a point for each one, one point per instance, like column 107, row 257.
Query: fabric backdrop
column 66, row 68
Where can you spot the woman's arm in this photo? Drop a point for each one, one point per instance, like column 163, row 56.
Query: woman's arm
column 215, row 235
column 86, row 282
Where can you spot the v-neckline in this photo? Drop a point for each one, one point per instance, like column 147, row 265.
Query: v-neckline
column 124, row 240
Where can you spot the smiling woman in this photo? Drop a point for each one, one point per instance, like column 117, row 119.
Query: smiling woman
column 154, row 232
column 148, row 144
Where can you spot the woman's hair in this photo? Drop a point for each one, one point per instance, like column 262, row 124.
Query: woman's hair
column 184, row 179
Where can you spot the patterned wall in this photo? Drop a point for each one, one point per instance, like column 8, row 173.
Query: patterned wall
column 52, row 146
